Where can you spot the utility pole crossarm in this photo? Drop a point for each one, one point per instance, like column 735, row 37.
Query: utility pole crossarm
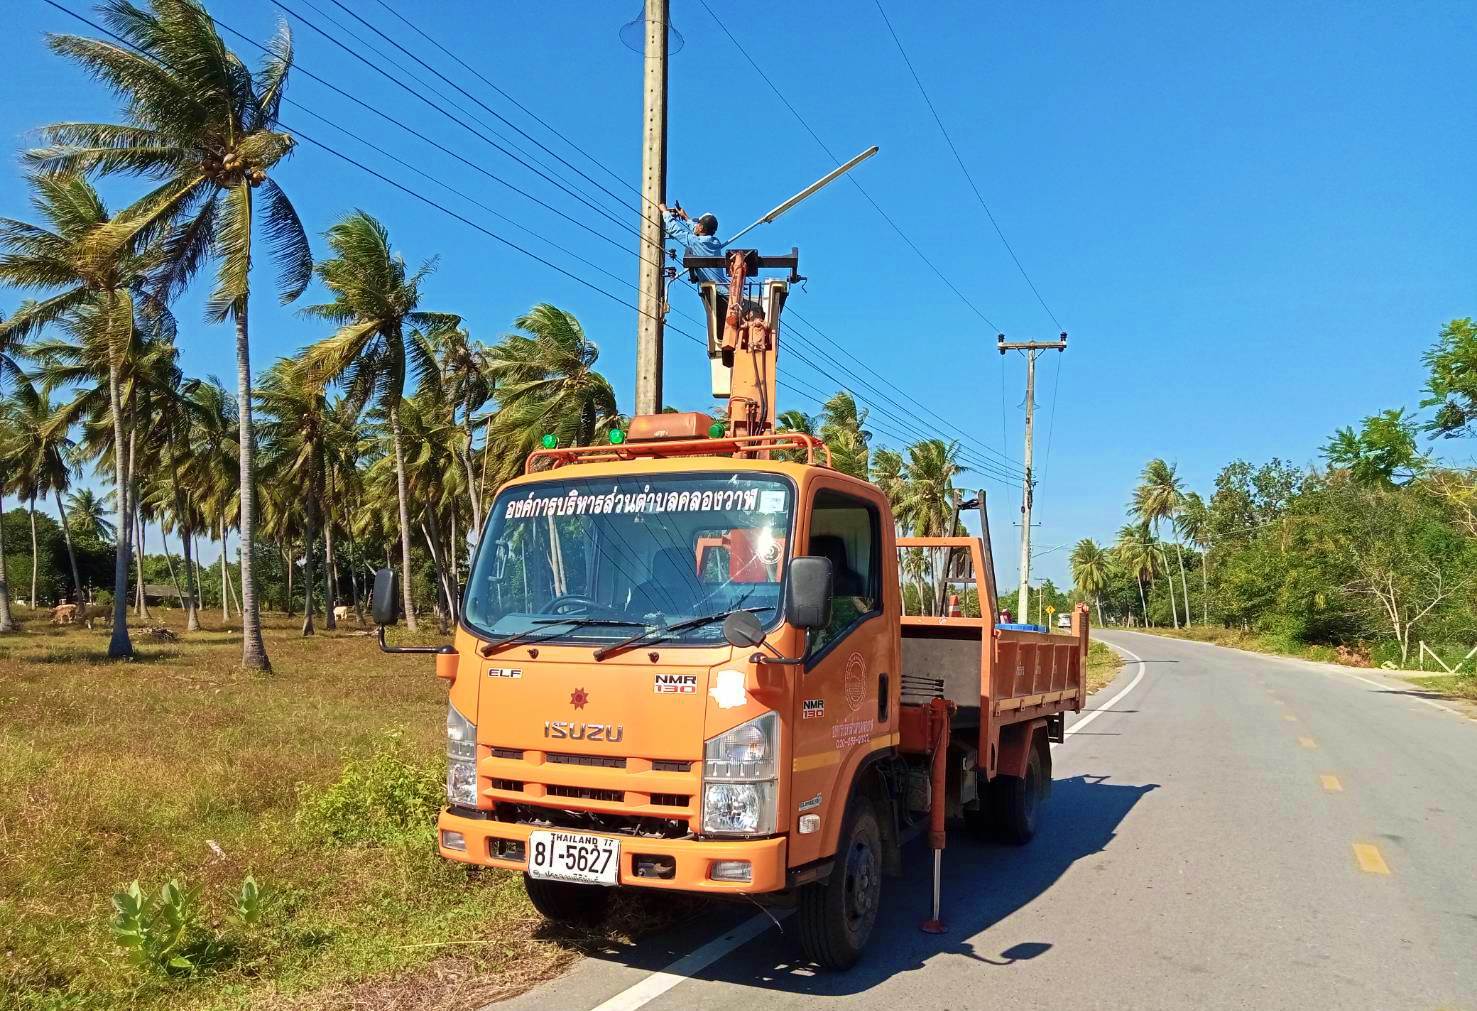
column 1032, row 349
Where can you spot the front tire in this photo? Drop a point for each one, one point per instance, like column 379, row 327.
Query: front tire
column 837, row 915
column 562, row 902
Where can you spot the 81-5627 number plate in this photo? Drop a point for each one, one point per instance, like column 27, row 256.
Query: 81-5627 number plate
column 572, row 856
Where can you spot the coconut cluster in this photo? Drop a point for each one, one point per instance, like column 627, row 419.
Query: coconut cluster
column 230, row 168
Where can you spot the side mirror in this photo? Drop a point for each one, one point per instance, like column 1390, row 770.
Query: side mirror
column 743, row 629
column 808, row 598
column 384, row 604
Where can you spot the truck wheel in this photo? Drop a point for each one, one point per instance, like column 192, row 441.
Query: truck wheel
column 1018, row 801
column 580, row 905
column 837, row 915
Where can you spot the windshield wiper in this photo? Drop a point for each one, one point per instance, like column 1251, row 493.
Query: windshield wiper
column 659, row 634
column 541, row 624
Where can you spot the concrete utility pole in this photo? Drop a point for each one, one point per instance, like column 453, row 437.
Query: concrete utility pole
column 1032, row 349
column 653, row 192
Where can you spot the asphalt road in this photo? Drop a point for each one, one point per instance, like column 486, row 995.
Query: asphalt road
column 1233, row 831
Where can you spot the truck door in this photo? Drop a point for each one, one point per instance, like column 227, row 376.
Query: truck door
column 845, row 685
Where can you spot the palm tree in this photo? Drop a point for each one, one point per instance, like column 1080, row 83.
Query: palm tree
column 213, row 469
column 841, row 428
column 295, row 412
column 1090, row 567
column 546, row 383
column 206, row 129
column 929, row 504
column 887, row 474
column 1193, row 524
column 87, row 514
column 47, row 453
column 1158, row 498
column 381, row 337
column 97, row 298
column 1137, row 554
column 467, row 387
column 797, row 422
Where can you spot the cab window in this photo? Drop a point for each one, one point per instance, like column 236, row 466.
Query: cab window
column 847, row 531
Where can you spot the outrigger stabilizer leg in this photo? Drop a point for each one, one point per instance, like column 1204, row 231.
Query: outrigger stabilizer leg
column 939, row 717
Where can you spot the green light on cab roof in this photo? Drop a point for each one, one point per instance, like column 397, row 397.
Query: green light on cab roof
column 715, row 430
column 617, row 437
column 550, row 441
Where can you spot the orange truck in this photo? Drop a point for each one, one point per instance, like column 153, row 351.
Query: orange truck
column 682, row 663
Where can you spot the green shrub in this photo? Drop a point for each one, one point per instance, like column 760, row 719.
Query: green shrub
column 382, row 800
column 164, row 932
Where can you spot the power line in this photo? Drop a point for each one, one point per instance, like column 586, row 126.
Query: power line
column 408, row 129
column 969, row 177
column 882, row 379
column 965, row 437
column 460, row 122
column 502, row 119
column 860, row 189
column 963, row 168
column 520, row 106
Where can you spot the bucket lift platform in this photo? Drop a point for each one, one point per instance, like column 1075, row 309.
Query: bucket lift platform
column 743, row 331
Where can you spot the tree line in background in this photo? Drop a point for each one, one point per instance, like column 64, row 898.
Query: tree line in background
column 378, row 444
column 1373, row 552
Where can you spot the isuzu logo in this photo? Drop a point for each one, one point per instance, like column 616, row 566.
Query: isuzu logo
column 566, row 730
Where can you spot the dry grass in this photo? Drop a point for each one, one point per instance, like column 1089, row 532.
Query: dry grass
column 1451, row 686
column 1103, row 665
column 181, row 764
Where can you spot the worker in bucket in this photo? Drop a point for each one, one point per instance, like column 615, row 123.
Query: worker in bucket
column 700, row 236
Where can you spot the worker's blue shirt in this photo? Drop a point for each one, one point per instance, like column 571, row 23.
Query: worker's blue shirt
column 698, row 245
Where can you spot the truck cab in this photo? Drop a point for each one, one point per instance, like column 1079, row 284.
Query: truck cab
column 594, row 690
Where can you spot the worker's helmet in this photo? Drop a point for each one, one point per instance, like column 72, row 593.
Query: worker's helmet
column 709, row 224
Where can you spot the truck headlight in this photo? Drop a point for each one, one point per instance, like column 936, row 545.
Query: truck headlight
column 461, row 759
column 739, row 788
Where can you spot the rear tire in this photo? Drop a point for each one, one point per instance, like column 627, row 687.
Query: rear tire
column 562, row 902
column 1018, row 801
column 837, row 915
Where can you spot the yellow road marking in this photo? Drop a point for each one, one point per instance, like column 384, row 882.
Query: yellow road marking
column 1370, row 861
column 1307, row 742
column 1331, row 784
column 1290, row 718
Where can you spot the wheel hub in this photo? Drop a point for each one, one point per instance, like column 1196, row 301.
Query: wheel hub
column 862, row 880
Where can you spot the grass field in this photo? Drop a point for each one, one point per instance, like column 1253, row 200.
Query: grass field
column 180, row 764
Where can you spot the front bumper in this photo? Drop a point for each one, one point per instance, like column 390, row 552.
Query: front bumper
column 693, row 858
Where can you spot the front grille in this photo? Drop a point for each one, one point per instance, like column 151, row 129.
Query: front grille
column 508, row 784
column 670, row 799
column 598, row 761
column 667, row 765
column 586, row 793
column 513, row 753
column 592, row 821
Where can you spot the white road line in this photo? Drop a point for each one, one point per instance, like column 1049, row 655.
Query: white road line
column 658, row 983
column 1114, row 700
column 649, row 989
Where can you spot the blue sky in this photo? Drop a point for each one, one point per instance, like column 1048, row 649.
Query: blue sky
column 1252, row 219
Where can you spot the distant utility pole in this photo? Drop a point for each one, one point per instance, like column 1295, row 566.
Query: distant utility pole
column 653, row 192
column 1032, row 349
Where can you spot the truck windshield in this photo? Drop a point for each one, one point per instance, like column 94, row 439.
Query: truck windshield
column 647, row 551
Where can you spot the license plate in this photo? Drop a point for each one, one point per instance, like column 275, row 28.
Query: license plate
column 570, row 856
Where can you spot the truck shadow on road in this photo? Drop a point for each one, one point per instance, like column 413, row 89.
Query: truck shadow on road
column 982, row 884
